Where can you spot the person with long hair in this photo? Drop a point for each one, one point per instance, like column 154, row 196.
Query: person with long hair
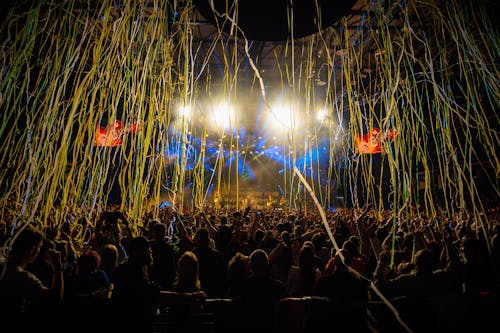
column 302, row 278
column 187, row 277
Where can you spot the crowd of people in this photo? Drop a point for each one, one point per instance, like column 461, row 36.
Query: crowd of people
column 276, row 270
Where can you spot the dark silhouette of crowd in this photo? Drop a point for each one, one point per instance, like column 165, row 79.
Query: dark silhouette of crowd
column 252, row 270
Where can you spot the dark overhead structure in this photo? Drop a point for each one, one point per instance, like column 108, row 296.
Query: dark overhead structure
column 279, row 20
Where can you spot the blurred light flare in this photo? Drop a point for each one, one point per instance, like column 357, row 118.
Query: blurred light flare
column 321, row 115
column 185, row 112
column 224, row 116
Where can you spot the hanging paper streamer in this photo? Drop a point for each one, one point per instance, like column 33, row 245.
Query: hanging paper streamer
column 371, row 142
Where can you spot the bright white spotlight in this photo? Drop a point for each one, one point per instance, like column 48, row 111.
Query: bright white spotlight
column 321, row 114
column 283, row 117
column 223, row 116
column 185, row 112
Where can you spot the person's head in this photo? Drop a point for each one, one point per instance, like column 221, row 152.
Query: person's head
column 286, row 237
column 318, row 240
column 309, row 243
column 258, row 235
column 188, row 270
column 306, row 257
column 424, row 261
column 472, row 249
column 342, row 259
column 109, row 257
column 188, row 265
column 349, row 246
column 159, row 231
column 88, row 262
column 225, row 232
column 297, row 231
column 238, row 266
column 27, row 244
column 47, row 246
column 139, row 251
column 202, row 237
column 151, row 226
column 355, row 240
column 259, row 262
column 113, row 232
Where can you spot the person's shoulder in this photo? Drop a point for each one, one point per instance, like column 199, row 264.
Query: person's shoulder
column 25, row 278
column 216, row 253
column 406, row 277
column 280, row 288
column 276, row 282
column 294, row 269
column 325, row 279
column 122, row 269
column 101, row 274
column 160, row 244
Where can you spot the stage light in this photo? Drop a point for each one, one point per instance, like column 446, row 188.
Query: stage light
column 223, row 116
column 185, row 112
column 282, row 118
column 321, row 114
